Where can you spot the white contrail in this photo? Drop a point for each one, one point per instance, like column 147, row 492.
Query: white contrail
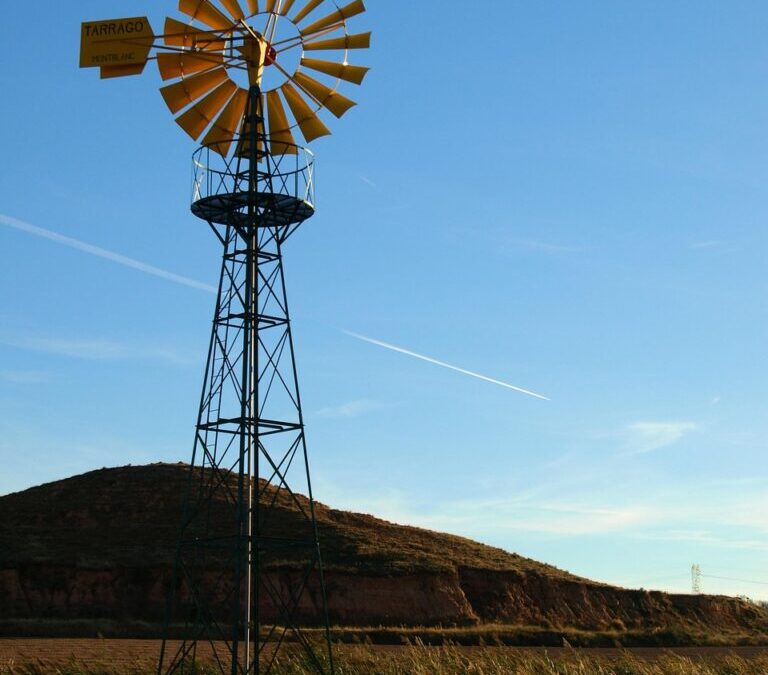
column 199, row 285
column 103, row 253
column 428, row 359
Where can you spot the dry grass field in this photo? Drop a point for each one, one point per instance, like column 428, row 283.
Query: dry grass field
column 139, row 657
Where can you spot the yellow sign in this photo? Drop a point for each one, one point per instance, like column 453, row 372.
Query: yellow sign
column 115, row 42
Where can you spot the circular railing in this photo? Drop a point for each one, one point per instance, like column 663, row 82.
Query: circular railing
column 284, row 184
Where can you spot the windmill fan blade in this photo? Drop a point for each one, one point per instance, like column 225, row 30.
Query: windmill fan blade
column 188, row 90
column 220, row 136
column 281, row 8
column 325, row 96
column 253, row 6
column 178, row 64
column 286, row 7
column 108, row 72
column 205, row 12
column 352, row 9
column 199, row 116
column 178, row 34
column 281, row 139
column 359, row 41
column 311, row 5
column 234, row 9
column 344, row 71
column 310, row 124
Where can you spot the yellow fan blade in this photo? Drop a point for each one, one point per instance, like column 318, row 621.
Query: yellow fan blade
column 352, row 9
column 341, row 70
column 282, row 10
column 220, row 136
column 234, row 9
column 281, row 140
column 178, row 34
column 325, row 96
column 286, row 7
column 311, row 5
column 121, row 71
column 178, row 64
column 188, row 90
column 359, row 41
column 206, row 13
column 253, row 6
column 199, row 116
column 310, row 124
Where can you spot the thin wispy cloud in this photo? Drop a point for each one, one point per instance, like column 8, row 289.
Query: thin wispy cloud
column 714, row 245
column 90, row 249
column 659, row 517
column 534, row 245
column 495, row 519
column 706, row 244
column 24, row 376
column 442, row 364
column 97, row 349
column 708, row 539
column 566, row 519
column 650, row 436
column 369, row 182
column 350, row 409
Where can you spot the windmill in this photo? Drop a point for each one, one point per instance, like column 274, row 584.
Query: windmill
column 239, row 79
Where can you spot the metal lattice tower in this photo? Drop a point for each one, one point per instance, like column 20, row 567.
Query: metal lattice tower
column 248, row 571
column 242, row 585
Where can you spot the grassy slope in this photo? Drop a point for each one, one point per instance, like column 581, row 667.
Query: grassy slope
column 130, row 515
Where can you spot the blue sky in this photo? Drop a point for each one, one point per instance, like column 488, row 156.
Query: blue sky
column 568, row 197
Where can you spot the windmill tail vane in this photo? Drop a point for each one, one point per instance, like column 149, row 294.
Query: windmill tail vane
column 248, row 578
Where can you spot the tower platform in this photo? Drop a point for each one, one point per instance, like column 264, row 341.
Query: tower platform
column 281, row 192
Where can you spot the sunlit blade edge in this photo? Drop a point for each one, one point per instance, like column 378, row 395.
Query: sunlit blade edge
column 352, row 9
column 199, row 116
column 309, row 7
column 226, row 126
column 344, row 71
column 311, row 125
column 179, row 64
column 358, row 41
column 179, row 95
column 204, row 12
column 234, row 9
column 325, row 96
column 281, row 140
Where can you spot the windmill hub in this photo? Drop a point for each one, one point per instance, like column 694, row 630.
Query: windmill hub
column 270, row 55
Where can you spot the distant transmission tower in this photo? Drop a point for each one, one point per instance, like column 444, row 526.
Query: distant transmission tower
column 695, row 579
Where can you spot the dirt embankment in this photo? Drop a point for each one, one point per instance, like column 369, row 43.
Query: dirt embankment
column 101, row 547
column 467, row 597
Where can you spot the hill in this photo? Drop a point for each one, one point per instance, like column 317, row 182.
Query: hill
column 98, row 550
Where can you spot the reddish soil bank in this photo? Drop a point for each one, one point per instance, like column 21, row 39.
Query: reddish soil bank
column 100, row 548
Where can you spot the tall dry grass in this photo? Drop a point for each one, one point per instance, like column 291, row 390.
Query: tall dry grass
column 421, row 660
